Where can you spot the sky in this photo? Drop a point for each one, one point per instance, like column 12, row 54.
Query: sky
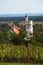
column 21, row 6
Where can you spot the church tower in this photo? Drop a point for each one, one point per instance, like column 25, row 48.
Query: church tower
column 26, row 18
column 29, row 27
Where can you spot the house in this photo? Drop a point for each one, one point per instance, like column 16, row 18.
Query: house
column 15, row 29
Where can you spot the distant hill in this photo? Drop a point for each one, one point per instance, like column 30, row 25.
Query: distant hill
column 21, row 17
column 17, row 15
column 18, row 19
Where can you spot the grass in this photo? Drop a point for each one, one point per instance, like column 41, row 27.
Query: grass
column 9, row 22
column 18, row 64
column 34, row 22
column 41, row 22
column 21, row 22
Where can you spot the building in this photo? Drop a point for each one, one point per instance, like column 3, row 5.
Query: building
column 29, row 27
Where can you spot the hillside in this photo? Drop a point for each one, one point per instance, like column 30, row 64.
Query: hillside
column 22, row 18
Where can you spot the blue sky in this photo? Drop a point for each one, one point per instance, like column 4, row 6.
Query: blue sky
column 21, row 6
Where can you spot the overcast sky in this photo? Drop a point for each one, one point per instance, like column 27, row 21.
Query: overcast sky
column 21, row 6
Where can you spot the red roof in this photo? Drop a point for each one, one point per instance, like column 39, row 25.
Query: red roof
column 16, row 30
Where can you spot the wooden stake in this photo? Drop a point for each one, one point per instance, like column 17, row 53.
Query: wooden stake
column 28, row 52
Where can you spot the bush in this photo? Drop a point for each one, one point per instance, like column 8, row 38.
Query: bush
column 18, row 53
column 13, row 53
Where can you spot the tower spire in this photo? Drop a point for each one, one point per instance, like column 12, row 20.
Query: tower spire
column 26, row 18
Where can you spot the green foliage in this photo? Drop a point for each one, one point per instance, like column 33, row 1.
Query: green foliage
column 13, row 47
column 18, row 53
column 17, row 39
column 13, row 53
column 17, row 64
column 37, row 37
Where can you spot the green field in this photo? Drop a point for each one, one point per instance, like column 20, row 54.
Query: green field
column 34, row 22
column 9, row 22
column 21, row 22
column 18, row 64
column 41, row 22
